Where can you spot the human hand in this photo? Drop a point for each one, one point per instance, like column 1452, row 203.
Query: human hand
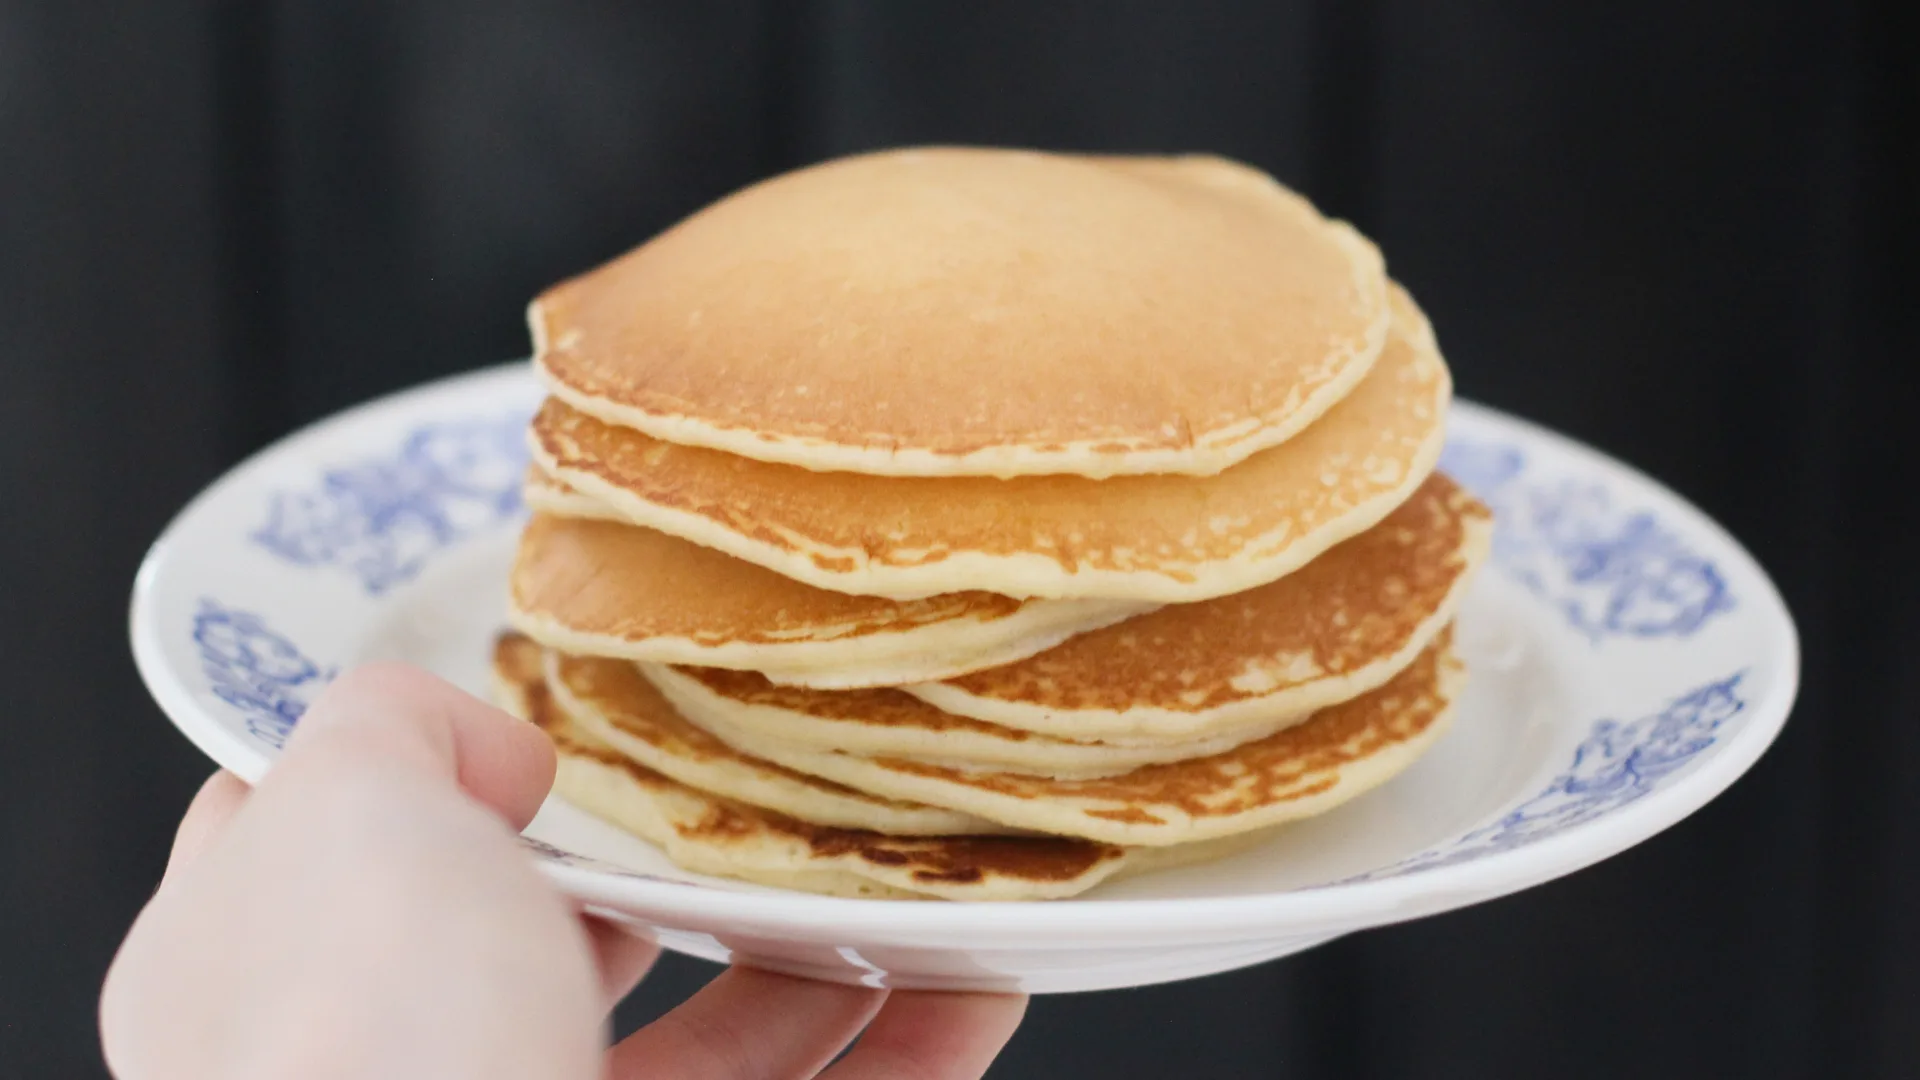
column 366, row 911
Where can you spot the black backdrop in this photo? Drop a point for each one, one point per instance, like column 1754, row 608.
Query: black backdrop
column 1678, row 230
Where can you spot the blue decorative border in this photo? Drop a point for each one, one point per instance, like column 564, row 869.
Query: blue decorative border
column 256, row 670
column 270, row 682
column 1616, row 764
column 1611, row 572
column 382, row 518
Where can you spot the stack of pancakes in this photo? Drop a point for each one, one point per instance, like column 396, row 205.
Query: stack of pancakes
column 984, row 524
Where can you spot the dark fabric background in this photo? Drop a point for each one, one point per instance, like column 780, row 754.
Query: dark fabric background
column 1678, row 230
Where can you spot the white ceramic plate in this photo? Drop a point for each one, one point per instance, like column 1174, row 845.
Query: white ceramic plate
column 1627, row 662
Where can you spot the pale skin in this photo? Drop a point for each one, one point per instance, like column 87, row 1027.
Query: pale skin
column 366, row 911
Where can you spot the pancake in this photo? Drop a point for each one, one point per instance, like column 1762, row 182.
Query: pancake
column 708, row 834
column 1333, row 630
column 894, row 724
column 610, row 701
column 601, row 588
column 1300, row 771
column 978, row 312
column 1184, row 681
column 542, row 494
column 1158, row 538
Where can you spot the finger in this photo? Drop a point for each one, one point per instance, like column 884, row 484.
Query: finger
column 746, row 1025
column 927, row 1036
column 624, row 958
column 406, row 716
column 212, row 807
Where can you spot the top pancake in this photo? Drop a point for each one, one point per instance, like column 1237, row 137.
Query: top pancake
column 1159, row 538
column 978, row 312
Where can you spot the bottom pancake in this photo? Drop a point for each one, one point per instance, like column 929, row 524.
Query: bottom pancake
column 709, row 834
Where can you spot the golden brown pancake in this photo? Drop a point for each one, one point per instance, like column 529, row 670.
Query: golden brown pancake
column 1183, row 682
column 1158, row 538
column 1300, row 771
column 610, row 701
column 603, row 588
column 1332, row 630
column 709, row 834
column 979, row 312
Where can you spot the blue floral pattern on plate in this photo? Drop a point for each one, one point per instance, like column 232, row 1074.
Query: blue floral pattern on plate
column 256, row 670
column 1616, row 764
column 383, row 518
column 270, row 682
column 1611, row 572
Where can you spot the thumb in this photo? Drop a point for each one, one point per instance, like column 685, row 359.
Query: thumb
column 408, row 718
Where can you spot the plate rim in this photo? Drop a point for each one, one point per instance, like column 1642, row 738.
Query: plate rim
column 1323, row 909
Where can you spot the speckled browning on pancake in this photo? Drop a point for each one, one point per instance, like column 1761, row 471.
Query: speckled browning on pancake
column 1302, row 770
column 519, row 664
column 728, row 837
column 978, row 312
column 1292, row 645
column 954, row 860
column 611, row 701
column 1171, row 538
column 1281, row 767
